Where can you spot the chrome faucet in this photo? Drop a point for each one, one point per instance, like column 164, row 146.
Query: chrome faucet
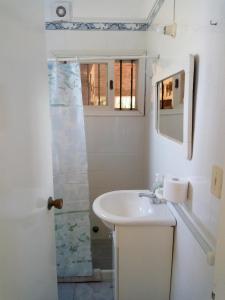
column 151, row 196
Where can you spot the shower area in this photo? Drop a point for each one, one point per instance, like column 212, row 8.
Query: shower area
column 79, row 257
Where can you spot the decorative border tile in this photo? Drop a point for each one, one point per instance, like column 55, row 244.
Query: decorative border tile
column 96, row 26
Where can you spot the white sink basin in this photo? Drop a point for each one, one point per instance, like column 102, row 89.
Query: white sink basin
column 126, row 207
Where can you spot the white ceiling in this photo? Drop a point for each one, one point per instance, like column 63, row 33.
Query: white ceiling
column 107, row 9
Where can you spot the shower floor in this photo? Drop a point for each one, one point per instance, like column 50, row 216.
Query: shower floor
column 85, row 291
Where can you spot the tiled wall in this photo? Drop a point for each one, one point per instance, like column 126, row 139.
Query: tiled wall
column 115, row 147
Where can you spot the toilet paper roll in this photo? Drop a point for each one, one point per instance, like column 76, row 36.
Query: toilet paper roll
column 175, row 190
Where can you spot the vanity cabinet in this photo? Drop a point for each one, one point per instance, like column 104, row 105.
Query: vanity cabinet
column 142, row 261
column 143, row 243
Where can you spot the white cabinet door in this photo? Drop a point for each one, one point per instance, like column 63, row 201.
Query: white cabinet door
column 27, row 246
column 144, row 262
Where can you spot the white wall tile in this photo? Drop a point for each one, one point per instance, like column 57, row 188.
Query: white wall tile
column 115, row 147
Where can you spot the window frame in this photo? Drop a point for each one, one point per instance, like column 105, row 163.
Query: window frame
column 109, row 110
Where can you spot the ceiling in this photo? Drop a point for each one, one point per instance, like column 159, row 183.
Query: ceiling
column 107, row 9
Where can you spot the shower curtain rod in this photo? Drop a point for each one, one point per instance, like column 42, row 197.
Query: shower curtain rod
column 106, row 57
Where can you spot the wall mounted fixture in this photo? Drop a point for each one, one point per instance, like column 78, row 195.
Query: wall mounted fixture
column 62, row 11
column 213, row 23
column 170, row 29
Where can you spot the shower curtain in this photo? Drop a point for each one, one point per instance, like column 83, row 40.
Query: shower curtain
column 72, row 224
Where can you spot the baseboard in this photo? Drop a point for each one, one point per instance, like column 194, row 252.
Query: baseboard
column 98, row 276
column 107, row 275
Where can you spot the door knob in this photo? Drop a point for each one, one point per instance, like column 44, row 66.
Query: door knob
column 57, row 203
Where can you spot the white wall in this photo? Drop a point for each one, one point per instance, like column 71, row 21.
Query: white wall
column 195, row 36
column 107, row 9
column 209, row 122
column 115, row 145
column 192, row 275
column 69, row 41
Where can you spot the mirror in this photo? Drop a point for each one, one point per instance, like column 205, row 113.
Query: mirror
column 173, row 89
column 170, row 102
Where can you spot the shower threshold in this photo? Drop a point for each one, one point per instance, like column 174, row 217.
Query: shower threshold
column 98, row 276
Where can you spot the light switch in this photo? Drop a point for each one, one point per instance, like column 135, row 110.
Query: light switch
column 217, row 181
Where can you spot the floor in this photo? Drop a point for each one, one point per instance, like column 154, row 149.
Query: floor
column 101, row 254
column 85, row 291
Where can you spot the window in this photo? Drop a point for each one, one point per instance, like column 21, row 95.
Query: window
column 113, row 85
column 94, row 84
column 125, row 84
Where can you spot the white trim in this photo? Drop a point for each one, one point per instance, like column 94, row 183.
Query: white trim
column 85, row 54
column 154, row 11
column 197, row 231
column 111, row 113
column 172, row 112
column 107, row 275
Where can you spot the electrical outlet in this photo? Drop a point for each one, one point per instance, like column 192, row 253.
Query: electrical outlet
column 217, row 181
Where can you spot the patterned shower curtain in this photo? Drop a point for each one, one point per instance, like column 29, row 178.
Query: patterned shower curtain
column 72, row 226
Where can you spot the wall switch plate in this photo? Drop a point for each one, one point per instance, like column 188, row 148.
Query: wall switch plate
column 217, row 181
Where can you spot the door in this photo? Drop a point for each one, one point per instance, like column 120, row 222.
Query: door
column 27, row 245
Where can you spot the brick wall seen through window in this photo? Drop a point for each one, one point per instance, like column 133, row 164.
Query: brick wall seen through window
column 97, row 87
column 125, row 84
column 94, row 84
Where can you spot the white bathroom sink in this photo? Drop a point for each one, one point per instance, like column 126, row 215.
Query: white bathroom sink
column 126, row 207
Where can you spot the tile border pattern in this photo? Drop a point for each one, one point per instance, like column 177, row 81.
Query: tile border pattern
column 107, row 26
column 96, row 26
